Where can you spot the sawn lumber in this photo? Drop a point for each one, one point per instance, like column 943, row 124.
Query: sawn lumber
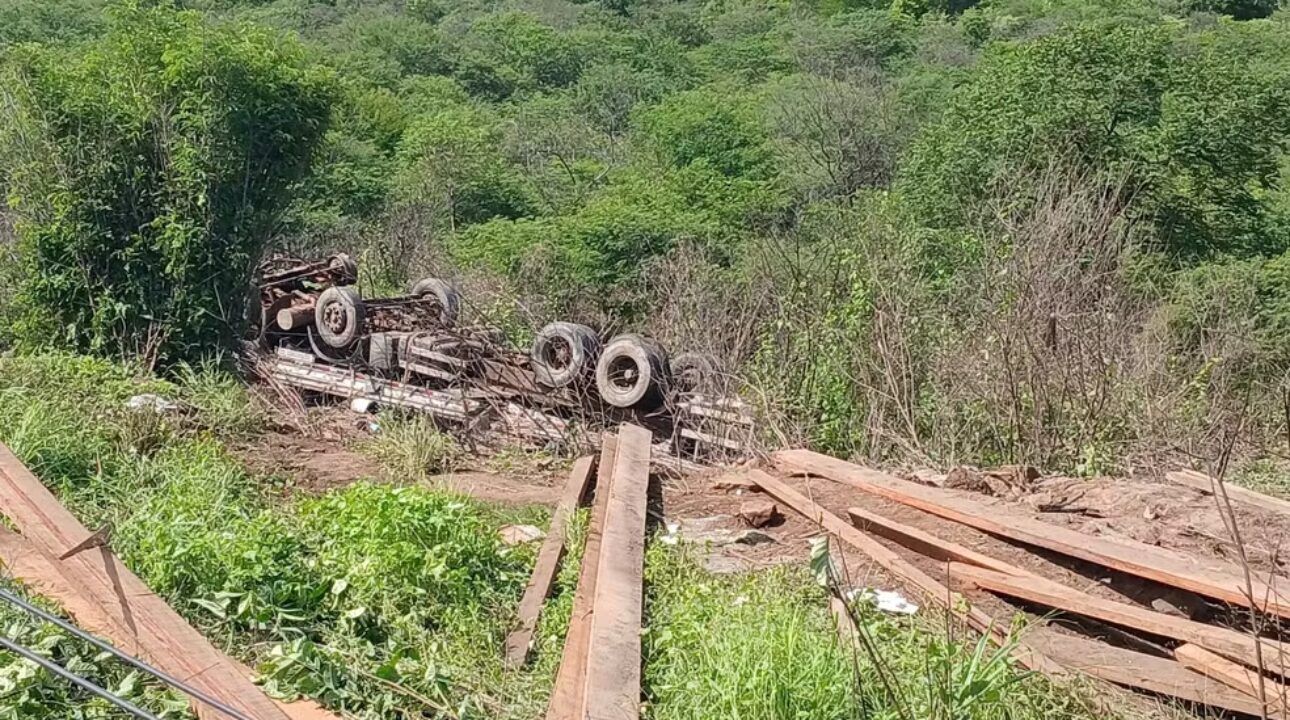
column 548, row 561
column 924, row 543
column 1204, row 483
column 1152, row 563
column 613, row 690
column 1270, row 694
column 1139, row 671
column 1230, row 643
column 568, row 693
column 921, row 582
column 159, row 633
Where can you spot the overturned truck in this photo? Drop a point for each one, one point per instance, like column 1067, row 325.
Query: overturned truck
column 312, row 330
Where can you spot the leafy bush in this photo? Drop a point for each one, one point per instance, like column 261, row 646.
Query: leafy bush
column 148, row 170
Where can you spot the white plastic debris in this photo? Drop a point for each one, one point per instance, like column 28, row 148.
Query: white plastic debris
column 362, row 405
column 889, row 601
column 673, row 534
column 520, row 534
column 149, row 401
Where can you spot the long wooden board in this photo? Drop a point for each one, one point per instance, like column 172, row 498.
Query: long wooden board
column 1034, row 589
column 44, row 576
column 162, row 636
column 613, row 689
column 567, row 694
column 1139, row 671
column 924, row 543
column 1157, row 564
column 1270, row 694
column 548, row 561
column 1205, row 484
column 922, row 583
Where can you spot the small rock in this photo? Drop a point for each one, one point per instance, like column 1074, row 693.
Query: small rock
column 758, row 513
column 520, row 534
column 753, row 537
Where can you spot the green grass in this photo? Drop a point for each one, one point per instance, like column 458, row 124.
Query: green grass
column 380, row 601
column 408, row 446
column 387, row 601
column 764, row 645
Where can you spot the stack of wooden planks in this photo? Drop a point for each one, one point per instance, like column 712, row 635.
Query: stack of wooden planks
column 1206, row 664
column 600, row 669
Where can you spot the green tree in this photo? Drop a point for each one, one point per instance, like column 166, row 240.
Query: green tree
column 147, row 170
column 1189, row 134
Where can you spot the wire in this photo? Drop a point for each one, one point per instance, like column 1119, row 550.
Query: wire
column 77, row 680
column 127, row 659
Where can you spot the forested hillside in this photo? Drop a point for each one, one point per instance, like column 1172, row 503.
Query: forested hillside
column 1014, row 230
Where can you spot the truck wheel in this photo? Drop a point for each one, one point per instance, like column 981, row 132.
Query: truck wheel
column 632, row 372
column 339, row 315
column 449, row 300
column 693, row 372
column 344, row 267
column 564, row 352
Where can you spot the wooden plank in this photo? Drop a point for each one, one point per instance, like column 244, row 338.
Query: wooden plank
column 1139, row 671
column 925, row 543
column 1034, row 589
column 165, row 639
column 1204, row 483
column 1268, row 693
column 548, row 561
column 1221, row 582
column 614, row 649
column 567, row 694
column 920, row 582
column 44, row 576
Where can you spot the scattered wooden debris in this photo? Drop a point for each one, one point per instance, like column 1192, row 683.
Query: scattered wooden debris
column 925, row 543
column 1205, row 484
column 1270, row 694
column 925, row 584
column 548, row 561
column 1274, row 655
column 107, row 597
column 1153, row 563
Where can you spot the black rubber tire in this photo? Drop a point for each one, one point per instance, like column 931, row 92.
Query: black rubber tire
column 632, row 373
column 339, row 316
column 345, row 267
column 564, row 353
column 693, row 372
column 449, row 299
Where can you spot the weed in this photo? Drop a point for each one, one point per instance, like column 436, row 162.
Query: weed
column 410, row 447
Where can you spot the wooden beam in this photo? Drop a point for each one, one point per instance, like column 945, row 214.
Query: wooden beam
column 1204, row 483
column 1269, row 694
column 43, row 575
column 146, row 621
column 1221, row 582
column 613, row 689
column 1139, row 671
column 567, row 694
column 548, row 561
column 924, row 543
column 1034, row 589
column 919, row 581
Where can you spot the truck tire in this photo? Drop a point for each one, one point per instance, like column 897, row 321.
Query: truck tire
column 344, row 268
column 693, row 372
column 339, row 315
column 564, row 353
column 632, row 373
column 449, row 299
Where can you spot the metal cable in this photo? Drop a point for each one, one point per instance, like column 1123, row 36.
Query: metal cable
column 77, row 680
column 161, row 675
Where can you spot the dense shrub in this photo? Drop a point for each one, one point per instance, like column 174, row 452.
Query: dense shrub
column 148, row 170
